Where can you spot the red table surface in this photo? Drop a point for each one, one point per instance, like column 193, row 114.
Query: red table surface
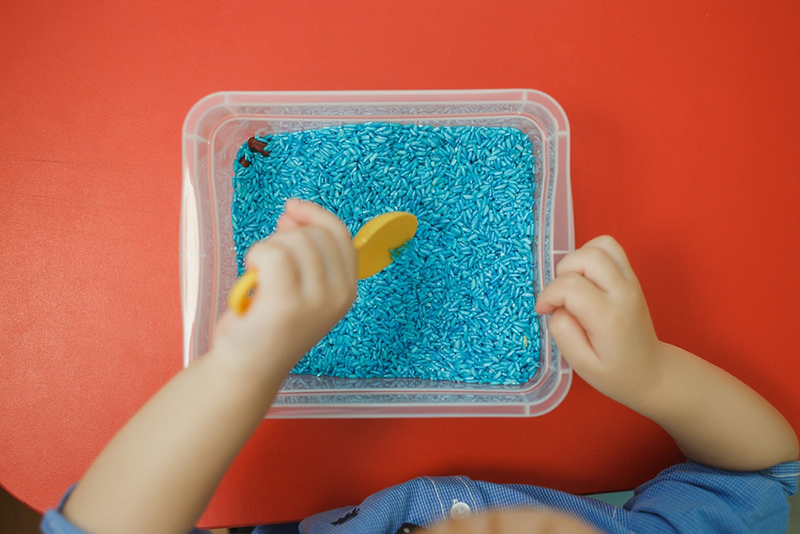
column 684, row 121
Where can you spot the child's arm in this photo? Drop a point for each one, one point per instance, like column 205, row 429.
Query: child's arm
column 602, row 326
column 160, row 470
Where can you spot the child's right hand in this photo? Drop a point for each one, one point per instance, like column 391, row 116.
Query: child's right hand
column 306, row 284
column 601, row 324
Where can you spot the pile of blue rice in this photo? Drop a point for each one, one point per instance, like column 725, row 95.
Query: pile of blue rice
column 457, row 304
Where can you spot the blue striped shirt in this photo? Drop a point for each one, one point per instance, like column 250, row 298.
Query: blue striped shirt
column 688, row 497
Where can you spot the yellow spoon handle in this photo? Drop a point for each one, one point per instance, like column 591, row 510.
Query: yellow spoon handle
column 239, row 297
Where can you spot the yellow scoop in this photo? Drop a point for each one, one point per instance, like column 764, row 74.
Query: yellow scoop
column 375, row 240
column 374, row 243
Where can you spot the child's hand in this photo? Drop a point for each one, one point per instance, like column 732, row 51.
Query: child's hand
column 520, row 521
column 600, row 321
column 306, row 284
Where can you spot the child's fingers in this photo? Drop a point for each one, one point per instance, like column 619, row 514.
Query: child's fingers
column 277, row 268
column 319, row 260
column 309, row 213
column 595, row 263
column 578, row 295
column 302, row 213
column 329, row 255
column 287, row 222
column 307, row 258
column 615, row 251
column 572, row 341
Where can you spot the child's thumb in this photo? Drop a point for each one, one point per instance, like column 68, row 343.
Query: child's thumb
column 572, row 342
column 288, row 221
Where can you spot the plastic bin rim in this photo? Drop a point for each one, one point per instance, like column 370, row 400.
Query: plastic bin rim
column 195, row 114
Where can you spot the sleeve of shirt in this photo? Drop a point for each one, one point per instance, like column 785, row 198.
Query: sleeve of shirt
column 53, row 522
column 693, row 497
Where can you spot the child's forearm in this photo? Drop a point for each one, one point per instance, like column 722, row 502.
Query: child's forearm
column 714, row 418
column 600, row 322
column 160, row 470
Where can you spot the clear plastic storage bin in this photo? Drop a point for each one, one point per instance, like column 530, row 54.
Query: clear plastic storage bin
column 217, row 126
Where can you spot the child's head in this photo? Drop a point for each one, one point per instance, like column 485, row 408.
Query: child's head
column 515, row 522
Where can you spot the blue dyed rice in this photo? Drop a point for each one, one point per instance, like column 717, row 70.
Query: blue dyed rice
column 457, row 304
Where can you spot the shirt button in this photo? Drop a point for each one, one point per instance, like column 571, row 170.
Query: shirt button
column 459, row 509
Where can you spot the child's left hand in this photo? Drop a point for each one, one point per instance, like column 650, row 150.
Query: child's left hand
column 601, row 324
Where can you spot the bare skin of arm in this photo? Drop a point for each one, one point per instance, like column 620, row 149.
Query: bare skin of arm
column 157, row 475
column 602, row 326
column 159, row 472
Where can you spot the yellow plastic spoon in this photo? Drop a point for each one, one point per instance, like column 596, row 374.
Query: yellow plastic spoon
column 376, row 240
column 374, row 244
